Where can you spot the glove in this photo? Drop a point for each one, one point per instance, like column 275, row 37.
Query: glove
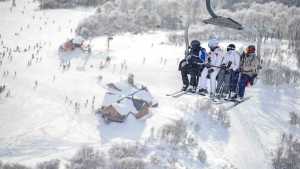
column 223, row 66
column 209, row 60
column 229, row 70
column 210, row 71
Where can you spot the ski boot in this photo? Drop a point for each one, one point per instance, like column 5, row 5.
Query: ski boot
column 184, row 88
column 204, row 91
column 193, row 89
column 235, row 97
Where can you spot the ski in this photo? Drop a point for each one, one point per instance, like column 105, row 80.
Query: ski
column 175, row 93
column 188, row 93
column 180, row 94
column 201, row 93
column 236, row 103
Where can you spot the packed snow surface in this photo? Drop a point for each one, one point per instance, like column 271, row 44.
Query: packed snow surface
column 39, row 120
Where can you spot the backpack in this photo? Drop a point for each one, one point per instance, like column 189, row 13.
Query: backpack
column 203, row 55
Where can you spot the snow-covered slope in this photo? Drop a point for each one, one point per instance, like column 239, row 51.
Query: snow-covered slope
column 39, row 121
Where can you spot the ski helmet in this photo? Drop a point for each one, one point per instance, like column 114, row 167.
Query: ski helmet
column 251, row 49
column 213, row 42
column 230, row 47
column 195, row 47
column 195, row 44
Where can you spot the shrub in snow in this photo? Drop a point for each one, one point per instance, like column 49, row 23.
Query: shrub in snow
column 128, row 163
column 124, row 150
column 174, row 133
column 222, row 117
column 203, row 105
column 287, row 155
column 294, row 118
column 201, row 156
column 279, row 76
column 294, row 36
column 87, row 158
column 51, row 4
column 217, row 113
column 191, row 141
column 155, row 160
column 14, row 166
column 229, row 166
column 126, row 155
column 52, row 164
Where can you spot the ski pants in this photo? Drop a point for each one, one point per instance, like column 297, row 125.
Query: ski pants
column 203, row 79
column 234, row 81
column 224, row 81
column 245, row 79
column 212, row 80
column 194, row 71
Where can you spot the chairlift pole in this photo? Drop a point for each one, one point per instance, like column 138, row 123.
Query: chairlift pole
column 210, row 10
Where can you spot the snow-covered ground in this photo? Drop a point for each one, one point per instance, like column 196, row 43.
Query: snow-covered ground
column 38, row 121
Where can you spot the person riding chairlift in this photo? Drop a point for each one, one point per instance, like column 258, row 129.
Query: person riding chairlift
column 214, row 61
column 248, row 71
column 230, row 71
column 193, row 64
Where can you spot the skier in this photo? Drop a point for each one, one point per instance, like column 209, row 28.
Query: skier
column 193, row 64
column 229, row 72
column 214, row 61
column 248, row 70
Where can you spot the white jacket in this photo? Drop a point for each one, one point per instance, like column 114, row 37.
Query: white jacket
column 216, row 57
column 233, row 57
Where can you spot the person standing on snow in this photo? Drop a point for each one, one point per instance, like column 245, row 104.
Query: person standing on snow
column 230, row 70
column 214, row 61
column 193, row 64
column 248, row 69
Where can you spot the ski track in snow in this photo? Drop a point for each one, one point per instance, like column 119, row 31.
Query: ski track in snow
column 37, row 124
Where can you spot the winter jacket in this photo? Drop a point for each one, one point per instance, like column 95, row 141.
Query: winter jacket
column 249, row 64
column 216, row 57
column 193, row 56
column 233, row 57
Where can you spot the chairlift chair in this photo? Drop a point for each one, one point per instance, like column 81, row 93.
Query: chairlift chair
column 220, row 20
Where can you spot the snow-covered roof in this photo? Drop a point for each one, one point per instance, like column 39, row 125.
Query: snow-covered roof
column 126, row 105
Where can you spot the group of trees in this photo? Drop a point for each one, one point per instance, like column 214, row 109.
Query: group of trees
column 262, row 22
column 262, row 19
column 138, row 16
column 52, row 4
column 287, row 154
column 229, row 3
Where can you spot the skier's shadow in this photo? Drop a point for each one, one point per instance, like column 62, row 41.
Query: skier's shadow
column 131, row 129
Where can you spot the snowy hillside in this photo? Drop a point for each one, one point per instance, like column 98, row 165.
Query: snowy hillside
column 46, row 112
